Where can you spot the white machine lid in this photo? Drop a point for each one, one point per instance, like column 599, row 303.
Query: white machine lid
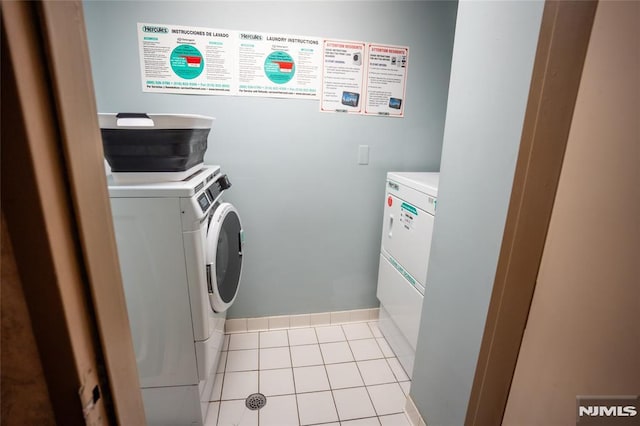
column 420, row 181
column 155, row 121
column 183, row 188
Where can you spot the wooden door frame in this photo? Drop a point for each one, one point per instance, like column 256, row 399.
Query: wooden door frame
column 562, row 47
column 55, row 200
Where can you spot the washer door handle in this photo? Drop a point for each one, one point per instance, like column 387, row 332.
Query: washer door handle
column 390, row 225
column 209, row 275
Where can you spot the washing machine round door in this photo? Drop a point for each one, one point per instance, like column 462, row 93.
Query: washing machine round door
column 224, row 256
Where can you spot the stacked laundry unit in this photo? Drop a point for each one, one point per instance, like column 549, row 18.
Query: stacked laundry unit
column 410, row 205
column 180, row 249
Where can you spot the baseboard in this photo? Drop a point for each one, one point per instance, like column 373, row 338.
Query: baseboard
column 412, row 413
column 242, row 325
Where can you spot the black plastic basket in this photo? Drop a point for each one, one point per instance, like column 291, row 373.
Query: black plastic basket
column 154, row 142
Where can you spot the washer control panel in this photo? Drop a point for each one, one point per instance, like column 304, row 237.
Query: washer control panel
column 212, row 192
column 204, row 202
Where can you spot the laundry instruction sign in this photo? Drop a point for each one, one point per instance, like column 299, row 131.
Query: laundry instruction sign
column 195, row 60
column 364, row 78
column 343, row 76
column 177, row 59
column 354, row 77
column 278, row 65
column 386, row 80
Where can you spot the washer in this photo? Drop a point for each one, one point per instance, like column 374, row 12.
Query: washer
column 409, row 213
column 180, row 250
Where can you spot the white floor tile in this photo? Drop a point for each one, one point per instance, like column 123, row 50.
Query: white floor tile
column 369, row 421
column 225, row 344
column 273, row 339
column 310, row 379
column 387, row 399
column 297, row 379
column 216, row 393
column 279, row 411
column 235, row 413
column 406, row 386
column 344, row 375
column 395, row 420
column 397, row 369
column 244, row 360
column 212, row 414
column 365, row 349
column 222, row 363
column 375, row 372
column 304, row 356
column 276, row 382
column 316, row 407
column 386, row 349
column 330, row 334
column 302, row 336
column 239, row 384
column 336, row 352
column 274, row 358
column 357, row 331
column 353, row 403
column 243, row 341
column 375, row 330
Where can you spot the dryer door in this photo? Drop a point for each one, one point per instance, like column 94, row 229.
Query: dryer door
column 224, row 256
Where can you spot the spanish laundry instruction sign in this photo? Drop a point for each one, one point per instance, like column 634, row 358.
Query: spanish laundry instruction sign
column 194, row 60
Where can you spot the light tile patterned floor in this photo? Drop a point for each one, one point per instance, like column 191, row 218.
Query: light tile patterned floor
column 334, row 375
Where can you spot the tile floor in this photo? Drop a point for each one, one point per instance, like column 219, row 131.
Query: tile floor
column 334, row 375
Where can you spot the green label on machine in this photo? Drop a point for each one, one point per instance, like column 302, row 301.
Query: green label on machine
column 404, row 273
column 409, row 208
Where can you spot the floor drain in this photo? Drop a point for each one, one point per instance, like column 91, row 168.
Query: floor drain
column 256, row 401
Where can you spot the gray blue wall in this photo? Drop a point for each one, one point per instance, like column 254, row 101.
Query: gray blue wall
column 311, row 215
column 493, row 55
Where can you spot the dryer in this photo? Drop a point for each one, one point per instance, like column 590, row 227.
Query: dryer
column 180, row 250
column 409, row 213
